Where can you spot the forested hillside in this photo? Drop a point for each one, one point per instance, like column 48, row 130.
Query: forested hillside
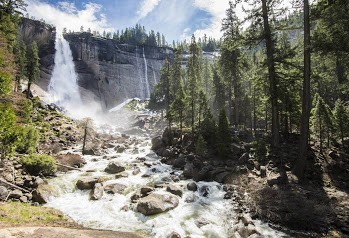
column 280, row 90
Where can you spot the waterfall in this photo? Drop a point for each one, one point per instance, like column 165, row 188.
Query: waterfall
column 146, row 76
column 141, row 83
column 63, row 88
column 154, row 76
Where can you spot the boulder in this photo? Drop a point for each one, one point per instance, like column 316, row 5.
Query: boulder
column 174, row 235
column 97, row 192
column 120, row 148
column 72, row 160
column 3, row 192
column 204, row 191
column 192, row 186
column 145, row 191
column 86, row 183
column 201, row 222
column 136, row 171
column 156, row 143
column 89, row 152
column 157, row 203
column 174, row 190
column 179, row 162
column 16, row 194
column 115, row 188
column 191, row 197
column 121, row 175
column 43, row 193
column 114, row 168
column 188, row 170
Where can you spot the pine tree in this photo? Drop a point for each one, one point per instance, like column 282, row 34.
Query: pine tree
column 341, row 116
column 223, row 136
column 8, row 135
column 32, row 65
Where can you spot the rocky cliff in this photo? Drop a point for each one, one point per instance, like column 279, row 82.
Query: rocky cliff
column 107, row 72
column 44, row 35
column 116, row 72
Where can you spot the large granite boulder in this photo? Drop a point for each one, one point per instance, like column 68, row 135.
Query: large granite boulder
column 157, row 203
column 43, row 193
column 86, row 183
column 115, row 188
column 97, row 192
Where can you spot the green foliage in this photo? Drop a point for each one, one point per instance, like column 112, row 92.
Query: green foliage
column 39, row 164
column 223, row 135
column 32, row 65
column 321, row 120
column 260, row 149
column 200, row 146
column 28, row 140
column 341, row 116
column 5, row 83
column 8, row 135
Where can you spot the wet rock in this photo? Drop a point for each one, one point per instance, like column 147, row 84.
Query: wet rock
column 179, row 162
column 114, row 168
column 86, row 183
column 8, row 177
column 145, row 191
column 204, row 190
column 97, row 192
column 157, row 203
column 192, row 186
column 174, row 235
column 3, row 192
column 174, row 190
column 228, row 195
column 246, row 219
column 191, row 197
column 121, row 175
column 250, row 164
column 136, row 171
column 43, row 193
column 201, row 222
column 247, row 231
column 89, row 152
column 115, row 188
column 16, row 194
column 120, row 148
column 135, row 197
column 72, row 160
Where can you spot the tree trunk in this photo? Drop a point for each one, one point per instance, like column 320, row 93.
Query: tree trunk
column 273, row 84
column 254, row 112
column 28, row 89
column 84, row 141
column 306, row 97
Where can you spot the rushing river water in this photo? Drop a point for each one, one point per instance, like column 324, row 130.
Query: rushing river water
column 206, row 216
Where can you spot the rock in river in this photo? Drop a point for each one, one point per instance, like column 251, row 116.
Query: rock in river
column 114, row 168
column 157, row 203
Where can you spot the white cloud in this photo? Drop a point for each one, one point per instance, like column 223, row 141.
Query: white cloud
column 146, row 7
column 217, row 11
column 67, row 16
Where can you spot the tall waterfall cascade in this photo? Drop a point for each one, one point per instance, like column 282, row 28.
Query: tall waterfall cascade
column 63, row 87
column 147, row 95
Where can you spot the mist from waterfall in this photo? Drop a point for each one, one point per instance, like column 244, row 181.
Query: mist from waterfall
column 146, row 76
column 63, row 88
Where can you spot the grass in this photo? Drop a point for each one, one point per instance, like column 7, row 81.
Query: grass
column 17, row 213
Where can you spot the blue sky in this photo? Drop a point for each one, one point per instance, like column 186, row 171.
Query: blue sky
column 176, row 19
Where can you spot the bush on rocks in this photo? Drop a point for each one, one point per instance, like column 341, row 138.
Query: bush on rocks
column 37, row 164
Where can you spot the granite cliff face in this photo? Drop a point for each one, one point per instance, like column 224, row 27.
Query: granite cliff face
column 108, row 73
column 116, row 72
column 44, row 35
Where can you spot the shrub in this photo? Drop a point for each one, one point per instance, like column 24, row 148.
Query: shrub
column 36, row 164
column 28, row 140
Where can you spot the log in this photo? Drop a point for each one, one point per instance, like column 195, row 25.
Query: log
column 13, row 185
column 68, row 167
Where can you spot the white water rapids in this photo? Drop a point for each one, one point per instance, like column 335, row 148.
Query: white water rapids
column 206, row 216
